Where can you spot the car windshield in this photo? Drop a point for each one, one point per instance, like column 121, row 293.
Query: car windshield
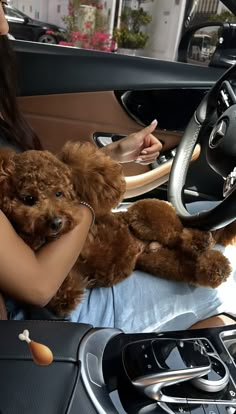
column 11, row 12
column 149, row 28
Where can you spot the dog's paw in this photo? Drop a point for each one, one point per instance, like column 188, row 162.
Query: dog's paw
column 195, row 241
column 212, row 269
column 155, row 220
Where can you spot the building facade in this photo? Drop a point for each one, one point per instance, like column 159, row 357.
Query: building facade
column 49, row 11
column 169, row 19
column 200, row 10
column 165, row 28
column 53, row 10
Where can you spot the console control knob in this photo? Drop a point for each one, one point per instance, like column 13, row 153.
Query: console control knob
column 216, row 380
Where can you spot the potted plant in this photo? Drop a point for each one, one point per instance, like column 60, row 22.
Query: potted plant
column 130, row 34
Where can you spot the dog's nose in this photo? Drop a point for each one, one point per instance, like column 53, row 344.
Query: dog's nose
column 55, row 223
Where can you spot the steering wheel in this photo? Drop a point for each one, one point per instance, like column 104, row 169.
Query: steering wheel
column 218, row 106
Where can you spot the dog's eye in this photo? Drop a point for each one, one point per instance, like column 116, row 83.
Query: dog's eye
column 59, row 194
column 29, row 200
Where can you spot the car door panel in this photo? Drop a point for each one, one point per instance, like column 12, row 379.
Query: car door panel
column 82, row 116
column 70, row 93
column 172, row 107
column 50, row 69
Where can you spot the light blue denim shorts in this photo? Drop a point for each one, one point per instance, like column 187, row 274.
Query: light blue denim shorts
column 143, row 303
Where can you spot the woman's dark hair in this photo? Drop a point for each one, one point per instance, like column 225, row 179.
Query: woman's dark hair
column 13, row 126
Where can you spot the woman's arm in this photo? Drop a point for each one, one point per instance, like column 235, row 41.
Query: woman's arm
column 35, row 277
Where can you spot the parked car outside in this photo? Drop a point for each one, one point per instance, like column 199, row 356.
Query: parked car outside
column 23, row 27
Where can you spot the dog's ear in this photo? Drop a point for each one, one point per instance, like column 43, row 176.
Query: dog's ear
column 7, row 168
column 98, row 179
column 7, row 164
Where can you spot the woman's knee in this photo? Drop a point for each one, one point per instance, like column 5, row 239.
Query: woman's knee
column 214, row 321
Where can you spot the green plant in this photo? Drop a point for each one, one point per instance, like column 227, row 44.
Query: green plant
column 130, row 34
column 130, row 40
column 225, row 16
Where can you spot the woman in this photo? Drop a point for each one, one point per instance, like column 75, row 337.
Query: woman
column 141, row 302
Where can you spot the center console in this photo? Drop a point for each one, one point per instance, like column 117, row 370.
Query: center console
column 174, row 372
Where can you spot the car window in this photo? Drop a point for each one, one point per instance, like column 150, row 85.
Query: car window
column 14, row 12
column 149, row 28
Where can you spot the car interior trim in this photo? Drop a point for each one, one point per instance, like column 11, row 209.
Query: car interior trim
column 80, row 76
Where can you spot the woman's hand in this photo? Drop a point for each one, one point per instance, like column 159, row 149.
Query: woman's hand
column 141, row 147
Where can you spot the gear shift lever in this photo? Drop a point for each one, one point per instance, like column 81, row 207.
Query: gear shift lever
column 154, row 364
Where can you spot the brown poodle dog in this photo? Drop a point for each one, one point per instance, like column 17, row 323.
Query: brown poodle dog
column 40, row 192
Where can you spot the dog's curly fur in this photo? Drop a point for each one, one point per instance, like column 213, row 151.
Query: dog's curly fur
column 38, row 188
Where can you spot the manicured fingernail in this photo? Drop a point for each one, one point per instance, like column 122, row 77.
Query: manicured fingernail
column 144, row 152
column 154, row 121
column 139, row 159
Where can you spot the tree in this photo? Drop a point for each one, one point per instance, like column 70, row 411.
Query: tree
column 225, row 16
column 130, row 34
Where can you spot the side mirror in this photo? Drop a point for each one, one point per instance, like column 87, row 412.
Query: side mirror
column 212, row 44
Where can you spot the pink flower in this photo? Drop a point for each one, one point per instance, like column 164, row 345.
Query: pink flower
column 76, row 36
column 95, row 41
column 88, row 25
column 70, row 10
column 62, row 43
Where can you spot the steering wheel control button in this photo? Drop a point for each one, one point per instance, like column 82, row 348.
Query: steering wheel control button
column 221, row 150
column 229, row 183
column 218, row 133
column 226, row 98
column 216, row 380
